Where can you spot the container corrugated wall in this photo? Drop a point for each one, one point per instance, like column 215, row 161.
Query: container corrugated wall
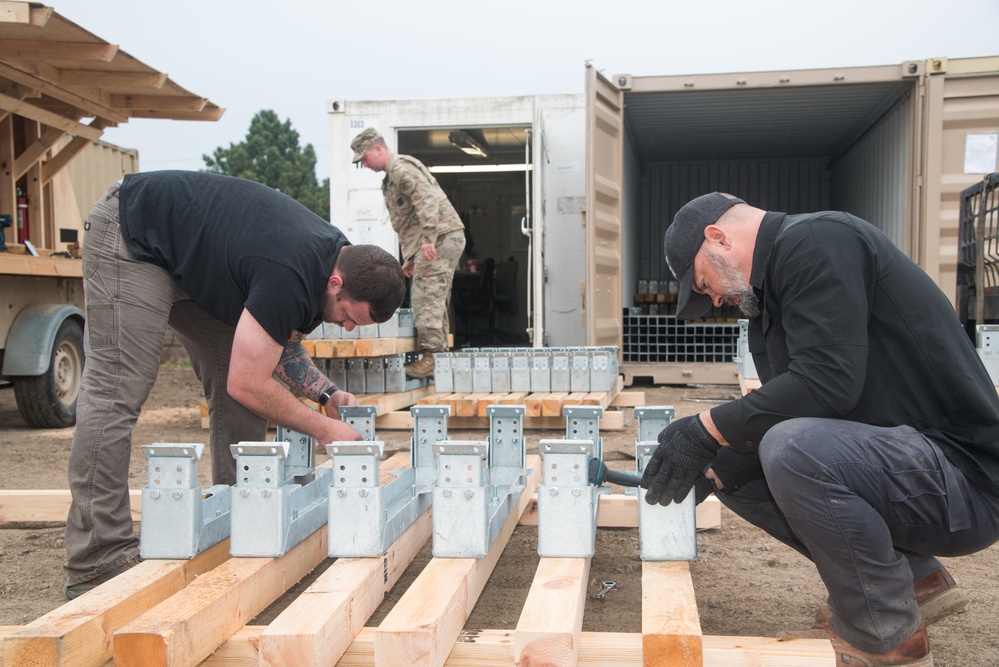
column 796, row 185
column 869, row 179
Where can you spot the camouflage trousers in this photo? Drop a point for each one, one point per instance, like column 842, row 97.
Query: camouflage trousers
column 432, row 292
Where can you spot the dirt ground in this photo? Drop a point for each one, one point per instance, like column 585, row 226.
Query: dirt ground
column 747, row 584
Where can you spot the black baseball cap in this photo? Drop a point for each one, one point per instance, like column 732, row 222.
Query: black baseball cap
column 682, row 241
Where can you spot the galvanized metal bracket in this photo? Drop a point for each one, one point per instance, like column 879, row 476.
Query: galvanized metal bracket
column 664, row 533
column 272, row 512
column 582, row 422
column 178, row 520
column 365, row 516
column 567, row 502
column 478, row 485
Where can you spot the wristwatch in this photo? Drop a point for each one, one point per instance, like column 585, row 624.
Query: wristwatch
column 324, row 397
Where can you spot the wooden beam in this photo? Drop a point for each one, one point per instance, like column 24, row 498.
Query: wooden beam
column 551, row 622
column 186, row 628
column 16, row 106
column 34, row 49
column 423, row 626
column 108, row 80
column 616, row 510
column 80, row 632
column 15, row 12
column 37, row 81
column 319, row 626
column 551, row 404
column 37, row 150
column 209, row 113
column 394, row 401
column 28, row 265
column 33, row 506
column 494, row 648
column 671, row 625
column 481, row 408
column 70, row 151
column 159, row 102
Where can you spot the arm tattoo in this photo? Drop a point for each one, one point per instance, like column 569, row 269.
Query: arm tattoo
column 297, row 370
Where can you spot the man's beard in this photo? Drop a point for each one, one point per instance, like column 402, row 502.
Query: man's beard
column 735, row 285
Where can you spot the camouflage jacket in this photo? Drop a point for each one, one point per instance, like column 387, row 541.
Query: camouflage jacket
column 419, row 210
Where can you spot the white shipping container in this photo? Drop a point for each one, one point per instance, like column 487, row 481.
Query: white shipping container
column 594, row 179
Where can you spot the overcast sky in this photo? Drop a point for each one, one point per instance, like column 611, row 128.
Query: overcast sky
column 294, row 55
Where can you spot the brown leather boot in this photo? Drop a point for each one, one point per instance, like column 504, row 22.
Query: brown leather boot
column 937, row 595
column 424, row 368
column 913, row 652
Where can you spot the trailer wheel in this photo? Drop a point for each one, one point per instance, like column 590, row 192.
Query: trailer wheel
column 49, row 400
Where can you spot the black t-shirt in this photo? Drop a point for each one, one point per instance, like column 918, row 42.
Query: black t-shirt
column 852, row 329
column 232, row 244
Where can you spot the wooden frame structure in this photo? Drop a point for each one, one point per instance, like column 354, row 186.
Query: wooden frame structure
column 195, row 612
column 54, row 76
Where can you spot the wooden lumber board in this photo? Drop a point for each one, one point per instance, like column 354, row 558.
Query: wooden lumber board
column 671, row 625
column 494, row 648
column 551, row 405
column 422, row 627
column 617, row 510
column 627, row 399
column 385, row 403
column 319, row 626
column 747, row 385
column 396, row 400
column 29, row 265
column 551, row 621
column 466, row 405
column 533, row 403
column 577, row 398
column 80, row 632
column 328, row 348
column 513, row 398
column 47, row 505
column 186, row 628
column 482, row 406
column 605, row 398
column 612, row 420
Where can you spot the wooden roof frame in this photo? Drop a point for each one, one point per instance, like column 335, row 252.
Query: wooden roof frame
column 71, row 82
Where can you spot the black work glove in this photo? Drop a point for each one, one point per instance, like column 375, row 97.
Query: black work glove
column 734, row 468
column 685, row 450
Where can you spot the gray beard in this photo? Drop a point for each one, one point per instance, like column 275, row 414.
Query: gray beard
column 735, row 285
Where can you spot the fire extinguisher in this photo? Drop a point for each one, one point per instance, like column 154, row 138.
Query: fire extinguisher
column 22, row 217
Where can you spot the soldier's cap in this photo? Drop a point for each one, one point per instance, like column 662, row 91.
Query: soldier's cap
column 682, row 241
column 361, row 142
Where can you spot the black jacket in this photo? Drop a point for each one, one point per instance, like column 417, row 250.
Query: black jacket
column 850, row 328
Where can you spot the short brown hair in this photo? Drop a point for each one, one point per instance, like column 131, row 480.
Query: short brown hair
column 372, row 276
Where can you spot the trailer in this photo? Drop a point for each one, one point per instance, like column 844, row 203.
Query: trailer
column 578, row 189
column 60, row 87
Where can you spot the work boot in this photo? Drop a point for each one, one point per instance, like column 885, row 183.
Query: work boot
column 76, row 590
column 913, row 652
column 937, row 595
column 424, row 368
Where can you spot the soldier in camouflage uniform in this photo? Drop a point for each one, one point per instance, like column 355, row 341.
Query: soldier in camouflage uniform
column 431, row 234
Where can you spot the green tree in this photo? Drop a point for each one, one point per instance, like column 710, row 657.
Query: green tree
column 271, row 155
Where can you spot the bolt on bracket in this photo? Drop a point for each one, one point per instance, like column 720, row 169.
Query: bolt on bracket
column 664, row 533
column 478, row 485
column 178, row 520
column 272, row 511
column 365, row 516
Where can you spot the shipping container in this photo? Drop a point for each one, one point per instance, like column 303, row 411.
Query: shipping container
column 579, row 188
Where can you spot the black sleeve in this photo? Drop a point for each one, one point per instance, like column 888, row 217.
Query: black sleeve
column 822, row 277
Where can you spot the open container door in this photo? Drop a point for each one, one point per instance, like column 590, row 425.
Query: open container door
column 960, row 133
column 602, row 299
